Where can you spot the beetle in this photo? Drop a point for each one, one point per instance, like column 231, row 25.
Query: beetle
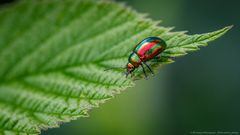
column 146, row 50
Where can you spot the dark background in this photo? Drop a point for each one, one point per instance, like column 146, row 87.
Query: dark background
column 200, row 92
column 6, row 1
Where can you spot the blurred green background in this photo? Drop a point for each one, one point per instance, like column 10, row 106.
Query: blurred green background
column 199, row 92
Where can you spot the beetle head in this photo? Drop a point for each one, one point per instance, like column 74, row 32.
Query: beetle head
column 130, row 68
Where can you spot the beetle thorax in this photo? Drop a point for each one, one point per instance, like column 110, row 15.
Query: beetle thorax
column 134, row 59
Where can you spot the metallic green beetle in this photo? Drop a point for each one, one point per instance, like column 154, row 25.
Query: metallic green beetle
column 146, row 50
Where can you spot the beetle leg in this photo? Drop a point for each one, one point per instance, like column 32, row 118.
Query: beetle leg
column 144, row 72
column 149, row 68
column 131, row 75
column 159, row 57
column 156, row 59
column 127, row 73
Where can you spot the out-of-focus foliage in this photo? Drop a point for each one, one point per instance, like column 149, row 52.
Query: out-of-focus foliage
column 53, row 55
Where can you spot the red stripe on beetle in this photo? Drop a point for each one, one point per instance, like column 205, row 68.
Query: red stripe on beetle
column 145, row 48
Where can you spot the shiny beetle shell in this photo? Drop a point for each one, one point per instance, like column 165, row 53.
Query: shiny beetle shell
column 146, row 50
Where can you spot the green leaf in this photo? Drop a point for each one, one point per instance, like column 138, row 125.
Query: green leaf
column 53, row 55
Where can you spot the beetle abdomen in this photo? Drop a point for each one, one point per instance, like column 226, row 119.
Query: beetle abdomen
column 149, row 48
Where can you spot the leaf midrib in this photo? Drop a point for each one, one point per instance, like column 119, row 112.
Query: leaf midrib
column 196, row 40
column 99, row 61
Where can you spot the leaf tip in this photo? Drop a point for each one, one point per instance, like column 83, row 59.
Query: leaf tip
column 226, row 29
column 230, row 27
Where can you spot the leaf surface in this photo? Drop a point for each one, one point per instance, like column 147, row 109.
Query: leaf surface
column 53, row 55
